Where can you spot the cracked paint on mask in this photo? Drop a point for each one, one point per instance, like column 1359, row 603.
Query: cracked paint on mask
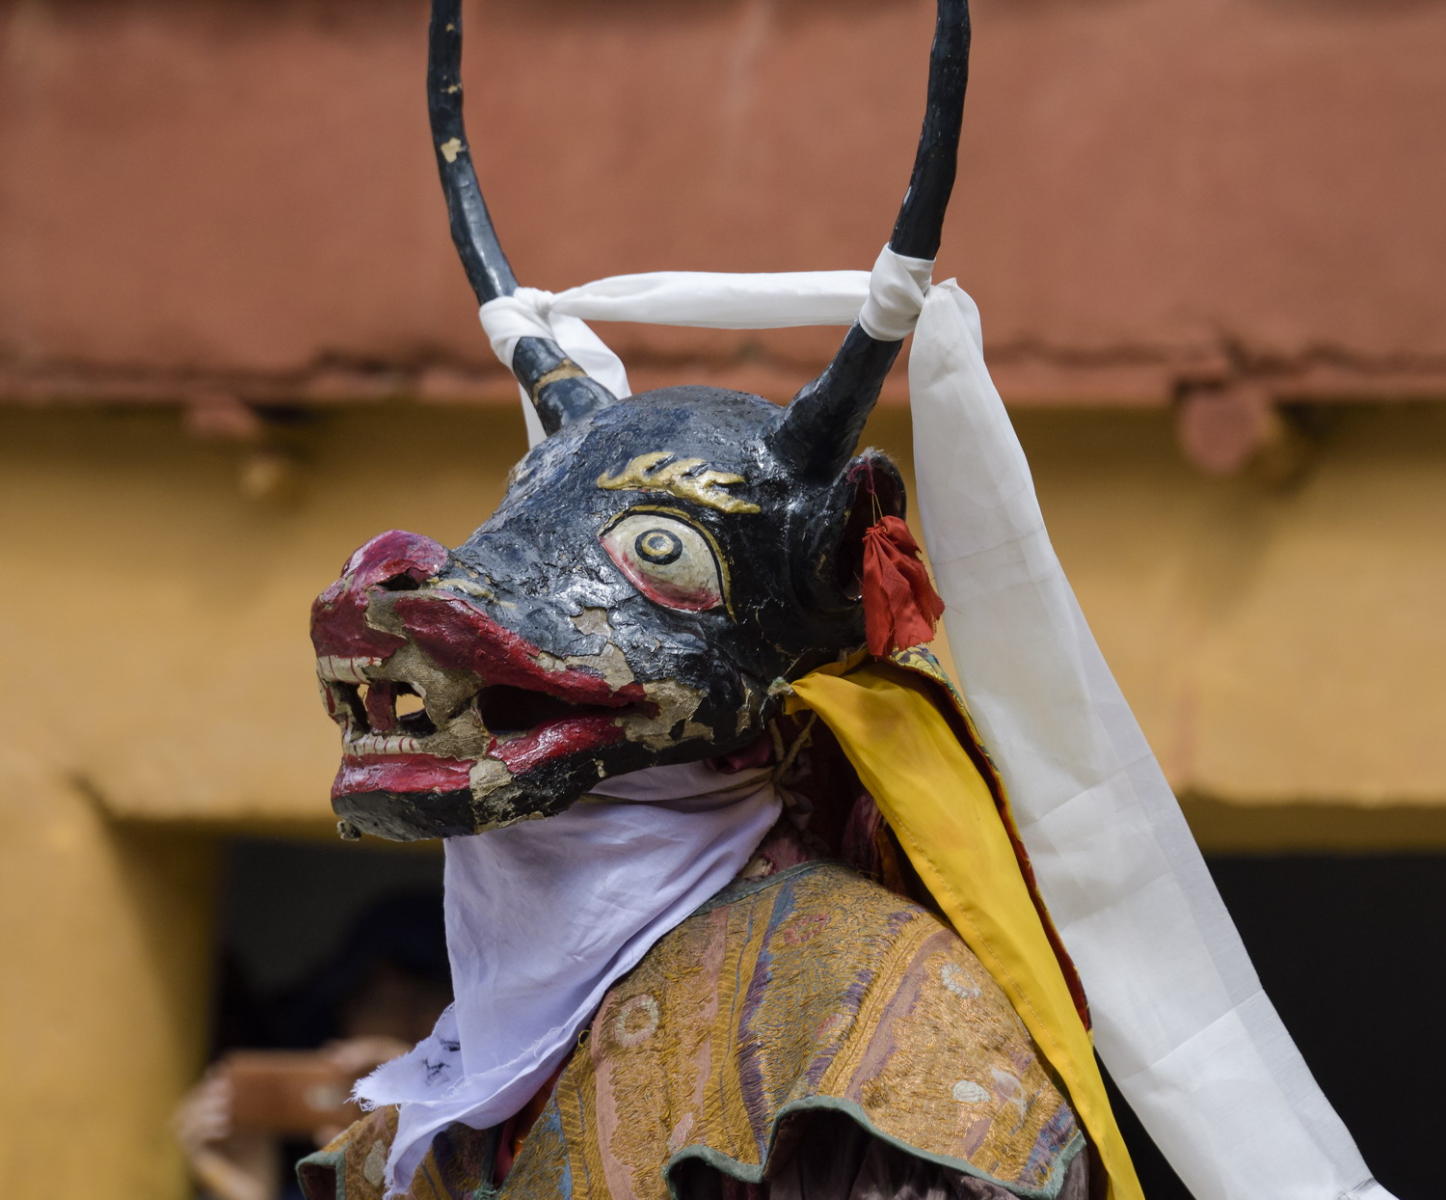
column 584, row 630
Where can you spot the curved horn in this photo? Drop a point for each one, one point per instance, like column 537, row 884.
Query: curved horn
column 822, row 423
column 560, row 389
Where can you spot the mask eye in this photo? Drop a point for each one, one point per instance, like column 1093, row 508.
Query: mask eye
column 668, row 560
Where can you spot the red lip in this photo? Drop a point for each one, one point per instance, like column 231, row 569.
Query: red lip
column 400, row 773
column 571, row 735
column 455, row 635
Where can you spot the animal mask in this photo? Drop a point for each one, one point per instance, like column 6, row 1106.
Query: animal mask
column 660, row 566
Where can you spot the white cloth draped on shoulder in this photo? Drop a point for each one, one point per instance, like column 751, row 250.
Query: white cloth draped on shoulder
column 542, row 918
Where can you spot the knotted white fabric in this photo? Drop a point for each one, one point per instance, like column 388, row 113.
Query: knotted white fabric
column 1182, row 1022
column 886, row 301
column 897, row 286
column 542, row 918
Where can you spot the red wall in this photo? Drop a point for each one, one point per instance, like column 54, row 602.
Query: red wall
column 241, row 195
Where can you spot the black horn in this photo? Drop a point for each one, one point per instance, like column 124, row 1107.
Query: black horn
column 560, row 389
column 823, row 422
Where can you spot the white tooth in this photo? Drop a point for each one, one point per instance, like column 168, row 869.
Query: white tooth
column 344, row 670
column 381, row 743
column 341, row 669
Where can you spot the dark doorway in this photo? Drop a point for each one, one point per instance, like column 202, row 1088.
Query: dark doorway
column 1351, row 950
column 291, row 912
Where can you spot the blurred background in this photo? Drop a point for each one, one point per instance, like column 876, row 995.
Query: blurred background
column 1207, row 238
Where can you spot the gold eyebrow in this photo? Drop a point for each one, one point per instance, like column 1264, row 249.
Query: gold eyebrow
column 661, row 471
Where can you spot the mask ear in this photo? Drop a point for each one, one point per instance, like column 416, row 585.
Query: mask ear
column 869, row 489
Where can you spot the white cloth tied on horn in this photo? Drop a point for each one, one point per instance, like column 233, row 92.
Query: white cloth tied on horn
column 886, row 301
column 896, row 291
column 1182, row 1022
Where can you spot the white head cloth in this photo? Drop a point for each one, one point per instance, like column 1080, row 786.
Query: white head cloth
column 1182, row 1022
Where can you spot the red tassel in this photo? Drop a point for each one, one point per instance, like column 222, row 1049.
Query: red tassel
column 901, row 607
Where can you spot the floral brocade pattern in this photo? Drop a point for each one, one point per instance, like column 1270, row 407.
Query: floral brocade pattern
column 353, row 1165
column 813, row 989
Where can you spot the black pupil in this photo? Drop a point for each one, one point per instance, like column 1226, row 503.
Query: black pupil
column 658, row 546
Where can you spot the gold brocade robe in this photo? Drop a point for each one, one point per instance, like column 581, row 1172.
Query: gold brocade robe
column 792, row 1021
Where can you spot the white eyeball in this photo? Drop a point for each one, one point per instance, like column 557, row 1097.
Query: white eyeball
column 667, row 559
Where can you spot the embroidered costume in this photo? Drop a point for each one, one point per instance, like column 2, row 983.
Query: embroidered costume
column 689, row 615
column 802, row 1009
column 687, row 1084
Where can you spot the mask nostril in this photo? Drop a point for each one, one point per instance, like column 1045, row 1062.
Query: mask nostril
column 399, row 583
column 394, row 560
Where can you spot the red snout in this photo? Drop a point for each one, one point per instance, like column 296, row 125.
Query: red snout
column 392, row 561
column 487, row 691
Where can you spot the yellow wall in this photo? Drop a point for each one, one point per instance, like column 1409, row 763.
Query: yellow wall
column 104, row 930
column 1278, row 644
column 162, row 638
column 1283, row 648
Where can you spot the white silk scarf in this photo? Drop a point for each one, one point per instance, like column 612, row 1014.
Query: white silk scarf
column 542, row 918
column 1182, row 1022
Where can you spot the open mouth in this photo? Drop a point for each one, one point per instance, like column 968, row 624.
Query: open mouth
column 382, row 717
column 385, row 718
column 453, row 722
